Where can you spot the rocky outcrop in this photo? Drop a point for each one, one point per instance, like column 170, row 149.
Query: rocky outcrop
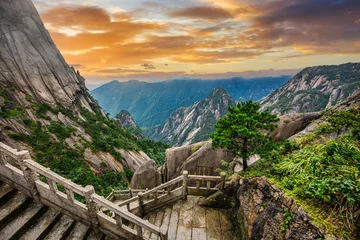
column 314, row 89
column 291, row 124
column 198, row 159
column 266, row 213
column 30, row 62
column 133, row 159
column 192, row 124
column 37, row 85
column 146, row 176
column 126, row 119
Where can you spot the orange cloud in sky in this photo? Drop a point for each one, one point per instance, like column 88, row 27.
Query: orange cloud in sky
column 212, row 37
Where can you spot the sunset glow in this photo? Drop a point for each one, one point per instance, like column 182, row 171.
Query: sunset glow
column 160, row 39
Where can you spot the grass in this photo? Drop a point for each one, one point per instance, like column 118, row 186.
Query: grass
column 322, row 174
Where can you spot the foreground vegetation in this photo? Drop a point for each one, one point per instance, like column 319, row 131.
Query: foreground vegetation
column 321, row 171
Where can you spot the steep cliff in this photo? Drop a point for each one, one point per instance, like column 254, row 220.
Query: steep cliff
column 315, row 89
column 45, row 107
column 192, row 124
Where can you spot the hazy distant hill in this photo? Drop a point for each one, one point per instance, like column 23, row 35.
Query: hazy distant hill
column 188, row 125
column 152, row 103
column 314, row 89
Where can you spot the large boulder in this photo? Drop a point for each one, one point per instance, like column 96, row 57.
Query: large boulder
column 146, row 176
column 290, row 124
column 266, row 213
column 199, row 159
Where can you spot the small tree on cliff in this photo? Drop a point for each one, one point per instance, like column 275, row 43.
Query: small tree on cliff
column 242, row 129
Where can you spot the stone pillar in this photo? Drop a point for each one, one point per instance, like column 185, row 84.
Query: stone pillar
column 92, row 207
column 141, row 204
column 223, row 176
column 185, row 185
column 30, row 176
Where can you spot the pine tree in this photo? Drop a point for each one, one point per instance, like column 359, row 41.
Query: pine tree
column 242, row 130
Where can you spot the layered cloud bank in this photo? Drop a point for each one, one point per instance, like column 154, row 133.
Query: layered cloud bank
column 206, row 38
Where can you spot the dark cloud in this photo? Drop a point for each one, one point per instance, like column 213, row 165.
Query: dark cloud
column 148, row 66
column 202, row 12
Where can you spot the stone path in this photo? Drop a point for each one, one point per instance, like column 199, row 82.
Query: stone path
column 186, row 220
column 22, row 218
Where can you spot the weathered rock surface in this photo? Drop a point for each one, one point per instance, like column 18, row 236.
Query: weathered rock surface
column 351, row 102
column 263, row 209
column 33, row 73
column 30, row 61
column 188, row 125
column 314, row 89
column 199, row 159
column 290, row 124
column 146, row 176
column 126, row 119
column 133, row 159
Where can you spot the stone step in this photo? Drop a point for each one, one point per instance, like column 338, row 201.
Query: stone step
column 152, row 218
column 79, row 232
column 174, row 221
column 96, row 236
column 158, row 220
column 12, row 208
column 43, row 225
column 166, row 221
column 5, row 189
column 62, row 229
column 23, row 221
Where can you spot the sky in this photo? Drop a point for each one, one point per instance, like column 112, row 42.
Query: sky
column 156, row 40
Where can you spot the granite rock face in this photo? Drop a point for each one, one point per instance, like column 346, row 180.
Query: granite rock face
column 146, row 176
column 291, row 124
column 30, row 61
column 33, row 72
column 188, row 125
column 314, row 89
column 199, row 159
column 263, row 209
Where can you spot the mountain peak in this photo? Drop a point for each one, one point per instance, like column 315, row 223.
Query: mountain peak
column 315, row 89
column 192, row 124
column 126, row 119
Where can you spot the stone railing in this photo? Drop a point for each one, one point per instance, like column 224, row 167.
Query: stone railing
column 19, row 170
column 141, row 202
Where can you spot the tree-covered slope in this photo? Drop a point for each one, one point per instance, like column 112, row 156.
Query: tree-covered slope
column 152, row 103
column 314, row 89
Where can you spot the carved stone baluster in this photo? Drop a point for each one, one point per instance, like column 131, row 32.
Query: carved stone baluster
column 185, row 185
column 118, row 220
column 208, row 184
column 30, row 176
column 197, row 184
column 70, row 195
column 52, row 185
column 223, row 176
column 139, row 231
column 141, row 204
column 92, row 207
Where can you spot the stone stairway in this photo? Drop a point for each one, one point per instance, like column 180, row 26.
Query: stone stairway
column 187, row 220
column 22, row 218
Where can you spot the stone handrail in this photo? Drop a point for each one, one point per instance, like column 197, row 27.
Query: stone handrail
column 164, row 193
column 18, row 169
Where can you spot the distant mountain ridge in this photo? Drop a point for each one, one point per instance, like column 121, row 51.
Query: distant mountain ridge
column 151, row 104
column 188, row 125
column 315, row 89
